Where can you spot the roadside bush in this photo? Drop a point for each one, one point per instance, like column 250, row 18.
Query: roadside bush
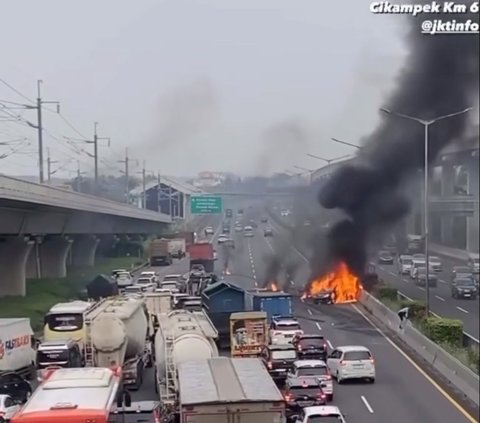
column 474, row 359
column 387, row 292
column 416, row 309
column 440, row 330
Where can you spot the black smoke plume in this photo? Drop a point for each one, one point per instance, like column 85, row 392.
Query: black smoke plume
column 440, row 77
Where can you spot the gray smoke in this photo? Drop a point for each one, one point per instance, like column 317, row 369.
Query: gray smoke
column 440, row 77
column 183, row 113
column 282, row 143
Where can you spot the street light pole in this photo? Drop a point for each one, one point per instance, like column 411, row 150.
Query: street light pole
column 346, row 143
column 328, row 161
column 426, row 198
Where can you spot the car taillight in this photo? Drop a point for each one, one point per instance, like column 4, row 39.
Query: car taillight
column 321, row 396
column 372, row 361
column 328, row 377
column 288, row 397
column 342, row 363
column 269, row 365
column 299, row 347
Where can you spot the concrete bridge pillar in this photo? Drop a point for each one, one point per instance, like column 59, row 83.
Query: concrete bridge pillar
column 84, row 249
column 13, row 257
column 448, row 180
column 53, row 252
column 472, row 221
column 48, row 257
column 447, row 229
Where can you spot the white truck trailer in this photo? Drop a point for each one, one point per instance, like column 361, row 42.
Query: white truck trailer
column 181, row 336
column 228, row 390
column 17, row 349
column 118, row 333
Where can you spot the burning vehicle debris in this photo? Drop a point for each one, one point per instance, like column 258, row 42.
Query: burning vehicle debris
column 339, row 286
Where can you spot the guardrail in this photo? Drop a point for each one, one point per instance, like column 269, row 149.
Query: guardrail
column 468, row 340
column 452, row 369
column 460, row 376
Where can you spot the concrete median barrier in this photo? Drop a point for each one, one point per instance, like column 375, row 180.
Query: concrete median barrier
column 458, row 375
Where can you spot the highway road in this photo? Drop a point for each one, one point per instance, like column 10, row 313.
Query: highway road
column 441, row 301
column 402, row 392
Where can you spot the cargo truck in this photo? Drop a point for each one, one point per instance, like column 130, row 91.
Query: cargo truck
column 182, row 336
column 248, row 333
column 159, row 254
column 272, row 303
column 178, row 248
column 221, row 390
column 17, row 346
column 202, row 253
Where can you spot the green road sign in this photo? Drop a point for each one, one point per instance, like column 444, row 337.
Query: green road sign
column 206, row 205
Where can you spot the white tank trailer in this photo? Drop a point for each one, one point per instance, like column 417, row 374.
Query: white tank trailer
column 182, row 336
column 119, row 333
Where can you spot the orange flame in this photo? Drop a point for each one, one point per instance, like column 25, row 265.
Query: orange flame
column 272, row 286
column 345, row 285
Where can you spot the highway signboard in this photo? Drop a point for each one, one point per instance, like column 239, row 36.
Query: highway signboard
column 206, row 204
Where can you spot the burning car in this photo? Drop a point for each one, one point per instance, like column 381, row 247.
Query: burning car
column 338, row 286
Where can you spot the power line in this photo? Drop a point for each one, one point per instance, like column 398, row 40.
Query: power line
column 16, row 91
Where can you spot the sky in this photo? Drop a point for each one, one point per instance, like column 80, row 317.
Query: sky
column 240, row 86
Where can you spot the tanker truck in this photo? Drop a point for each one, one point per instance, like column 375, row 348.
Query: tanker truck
column 119, row 333
column 181, row 336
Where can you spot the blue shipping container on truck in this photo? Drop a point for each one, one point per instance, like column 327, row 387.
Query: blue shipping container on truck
column 220, row 300
column 273, row 303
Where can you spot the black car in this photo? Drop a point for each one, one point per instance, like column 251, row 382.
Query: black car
column 17, row 387
column 311, row 347
column 324, row 297
column 464, row 288
column 305, row 391
column 226, row 229
column 268, row 232
column 264, row 220
column 279, row 359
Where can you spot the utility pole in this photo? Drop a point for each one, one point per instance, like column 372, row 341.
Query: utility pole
column 49, row 167
column 144, row 186
column 96, row 138
column 159, row 194
column 126, row 172
column 39, row 127
column 79, row 177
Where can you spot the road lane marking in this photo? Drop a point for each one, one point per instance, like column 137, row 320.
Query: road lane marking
column 330, row 345
column 292, row 283
column 442, row 281
column 421, row 288
column 439, row 298
column 405, row 296
column 309, row 311
column 418, row 368
column 369, row 407
column 462, row 310
column 393, row 274
column 318, row 326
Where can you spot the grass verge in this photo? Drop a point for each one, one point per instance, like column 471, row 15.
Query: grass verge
column 43, row 293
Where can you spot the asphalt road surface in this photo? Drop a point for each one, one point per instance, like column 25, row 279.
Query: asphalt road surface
column 441, row 301
column 402, row 392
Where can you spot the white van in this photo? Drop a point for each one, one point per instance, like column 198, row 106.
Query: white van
column 404, row 264
column 351, row 362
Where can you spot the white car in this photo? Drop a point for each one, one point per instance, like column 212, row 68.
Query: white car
column 404, row 264
column 124, row 279
column 315, row 368
column 436, row 264
column 150, row 274
column 320, row 413
column 474, row 263
column 147, row 287
column 222, row 238
column 144, row 280
column 8, row 407
column 209, row 230
column 282, row 330
column 351, row 362
column 171, row 285
column 416, row 263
